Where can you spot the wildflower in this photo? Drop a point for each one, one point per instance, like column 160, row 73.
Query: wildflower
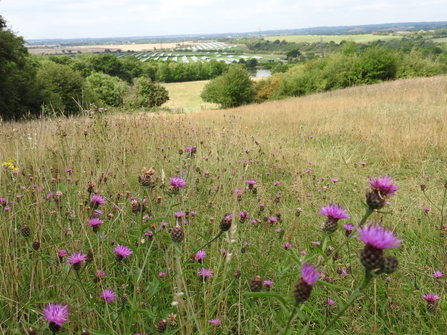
column 334, row 180
column 177, row 234
column 272, row 220
column 215, row 322
column 432, row 301
column 179, row 214
column 437, row 274
column 161, row 326
column 161, row 275
column 380, row 189
column 349, row 227
column 204, row 273
column 95, row 223
column 330, row 301
column 268, row 284
column 96, row 200
column 376, row 238
column 287, row 246
column 108, row 295
column 309, row 276
column 122, row 251
column 226, row 222
column 333, row 213
column 177, row 183
column 61, row 253
column 200, row 255
column 251, row 183
column 56, row 315
column 75, row 260
column 191, row 150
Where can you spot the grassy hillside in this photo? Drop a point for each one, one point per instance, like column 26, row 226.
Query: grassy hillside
column 302, row 153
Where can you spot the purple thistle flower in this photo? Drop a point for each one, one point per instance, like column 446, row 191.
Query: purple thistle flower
column 334, row 211
column 287, row 246
column 215, row 322
column 108, row 295
column 437, row 274
column 268, row 283
column 100, row 274
column 191, row 149
column 378, row 236
column 272, row 219
column 62, row 253
column 76, row 257
column 200, row 255
column 161, row 274
column 179, row 214
column 96, row 200
column 55, row 313
column 348, row 226
column 309, row 274
column 383, row 185
column 95, row 222
column 177, row 182
column 122, row 251
column 430, row 297
column 251, row 182
column 49, row 195
column 330, row 301
column 205, row 273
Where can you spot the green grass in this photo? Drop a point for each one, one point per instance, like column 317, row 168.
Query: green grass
column 363, row 38
column 292, row 149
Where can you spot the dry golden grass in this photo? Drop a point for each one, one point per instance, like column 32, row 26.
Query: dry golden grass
column 112, row 47
column 394, row 122
column 185, row 97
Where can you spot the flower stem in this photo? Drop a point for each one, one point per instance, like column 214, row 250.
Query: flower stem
column 368, row 212
column 352, row 298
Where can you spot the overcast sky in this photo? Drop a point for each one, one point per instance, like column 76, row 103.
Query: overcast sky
column 37, row 19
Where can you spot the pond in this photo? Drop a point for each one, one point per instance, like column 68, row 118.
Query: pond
column 260, row 73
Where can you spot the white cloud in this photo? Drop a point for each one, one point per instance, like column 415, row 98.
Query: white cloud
column 104, row 18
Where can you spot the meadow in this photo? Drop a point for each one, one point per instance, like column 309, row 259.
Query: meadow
column 362, row 38
column 207, row 223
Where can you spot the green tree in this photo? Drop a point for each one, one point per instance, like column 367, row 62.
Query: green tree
column 149, row 94
column 293, row 53
column 233, row 88
column 19, row 94
column 105, row 89
column 61, row 87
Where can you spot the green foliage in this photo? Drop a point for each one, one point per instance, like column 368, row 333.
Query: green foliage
column 105, row 89
column 377, row 64
column 293, row 53
column 148, row 94
column 61, row 87
column 18, row 93
column 233, row 88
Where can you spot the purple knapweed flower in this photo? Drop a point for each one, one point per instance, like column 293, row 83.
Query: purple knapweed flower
column 378, row 236
column 251, row 182
column 95, row 222
column 215, row 322
column 205, row 273
column 161, row 275
column 430, row 297
column 330, row 301
column 268, row 284
column 96, row 200
column 384, row 185
column 56, row 315
column 108, row 295
column 309, row 274
column 334, row 211
column 75, row 260
column 437, row 274
column 200, row 255
column 287, row 246
column 122, row 251
column 179, row 214
column 177, row 182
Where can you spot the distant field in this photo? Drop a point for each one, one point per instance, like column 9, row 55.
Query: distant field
column 113, row 47
column 186, row 96
column 364, row 38
column 440, row 40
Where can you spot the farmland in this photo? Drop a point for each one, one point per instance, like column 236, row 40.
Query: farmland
column 363, row 38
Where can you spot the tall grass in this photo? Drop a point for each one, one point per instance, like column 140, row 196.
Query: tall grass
column 303, row 153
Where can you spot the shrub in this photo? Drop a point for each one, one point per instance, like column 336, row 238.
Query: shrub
column 105, row 89
column 233, row 88
column 61, row 87
column 146, row 93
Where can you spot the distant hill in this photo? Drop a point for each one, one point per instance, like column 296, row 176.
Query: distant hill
column 339, row 30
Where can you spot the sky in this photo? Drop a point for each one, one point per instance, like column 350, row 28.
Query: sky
column 39, row 19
